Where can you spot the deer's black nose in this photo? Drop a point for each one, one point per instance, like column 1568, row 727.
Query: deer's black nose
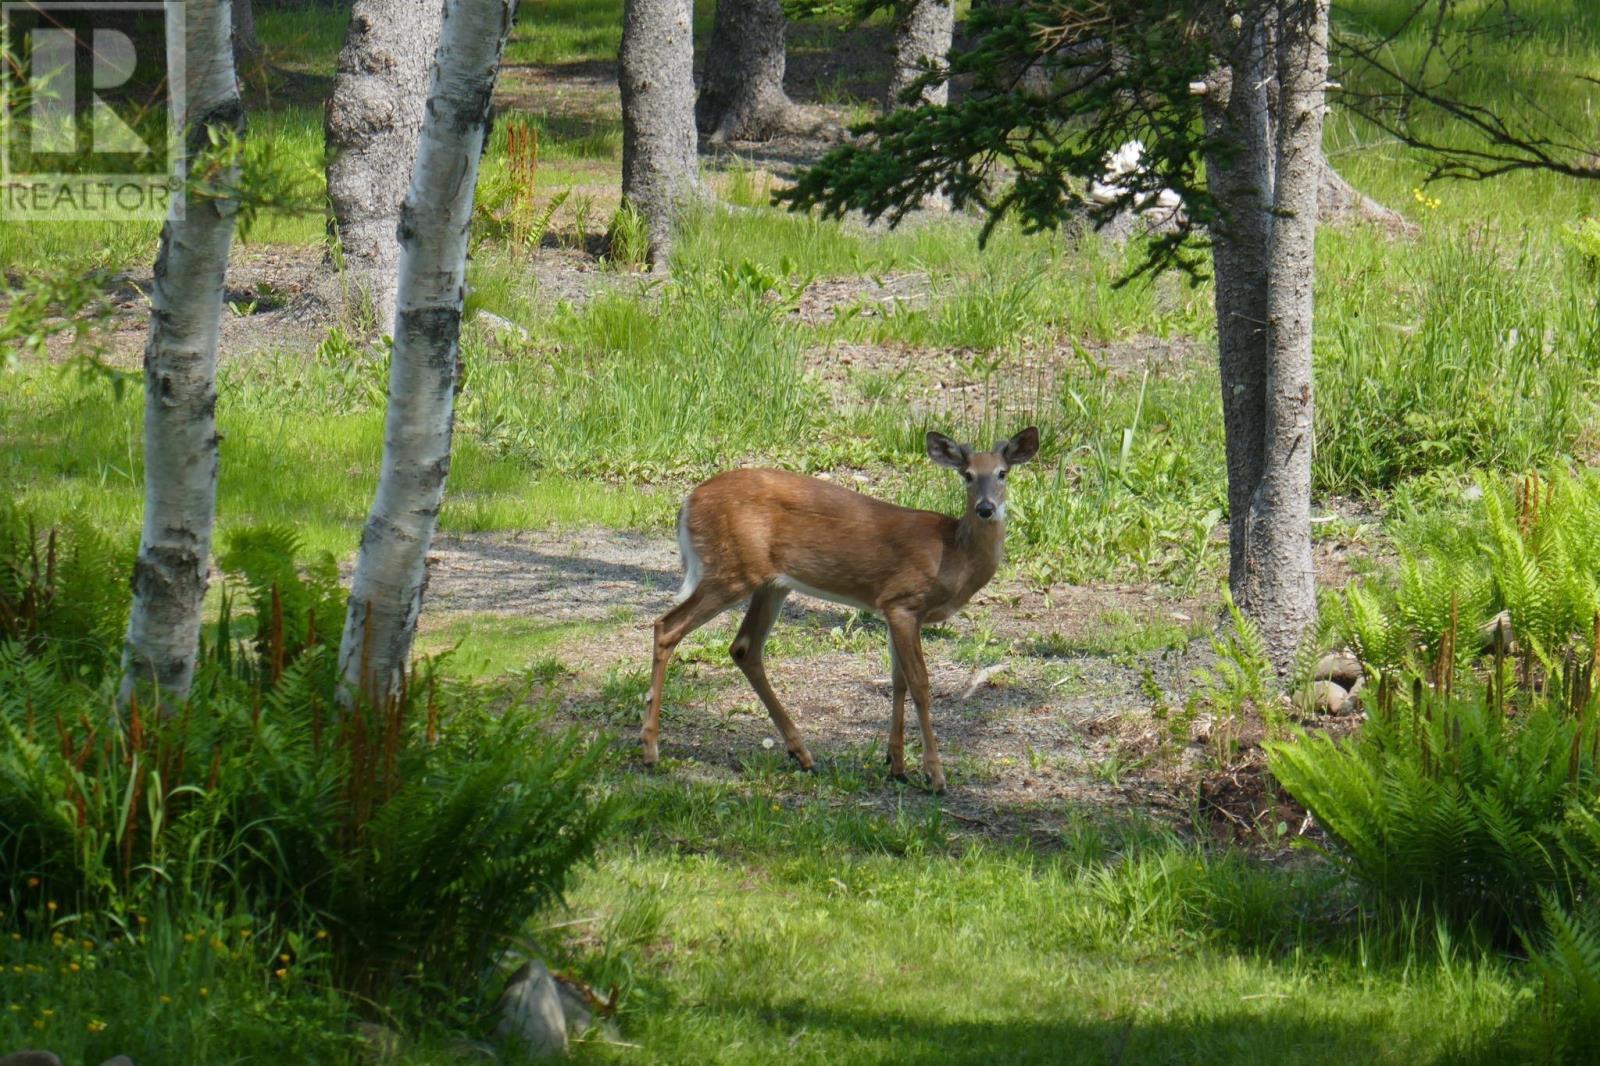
column 985, row 509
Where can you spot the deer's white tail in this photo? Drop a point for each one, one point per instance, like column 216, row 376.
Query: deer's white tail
column 690, row 557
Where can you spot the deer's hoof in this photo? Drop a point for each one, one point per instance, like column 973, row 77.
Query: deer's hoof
column 803, row 760
column 899, row 776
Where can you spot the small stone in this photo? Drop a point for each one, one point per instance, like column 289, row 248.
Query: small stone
column 1497, row 630
column 1328, row 697
column 382, row 1042
column 460, row 1050
column 529, row 1012
column 573, row 1007
column 30, row 1058
column 1340, row 667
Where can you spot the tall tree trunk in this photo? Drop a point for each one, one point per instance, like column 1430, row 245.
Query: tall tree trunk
column 1280, row 579
column 659, row 163
column 180, row 364
column 246, row 45
column 923, row 34
column 386, row 593
column 372, row 124
column 741, row 92
column 1239, row 155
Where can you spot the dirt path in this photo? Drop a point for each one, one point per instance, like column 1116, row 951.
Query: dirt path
column 1040, row 713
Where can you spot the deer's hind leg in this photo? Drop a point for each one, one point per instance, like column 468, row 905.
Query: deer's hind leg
column 747, row 652
column 704, row 603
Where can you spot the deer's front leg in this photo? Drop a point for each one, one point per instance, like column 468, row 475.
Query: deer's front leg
column 897, row 720
column 905, row 630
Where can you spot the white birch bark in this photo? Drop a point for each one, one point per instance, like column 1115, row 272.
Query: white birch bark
column 386, row 594
column 180, row 362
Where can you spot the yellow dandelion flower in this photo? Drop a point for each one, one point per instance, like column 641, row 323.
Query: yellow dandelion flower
column 96, row 1025
column 188, row 938
column 51, row 906
column 16, row 1008
column 38, row 1023
column 74, row 967
column 144, row 919
column 48, row 1012
column 281, row 972
column 322, row 934
column 33, row 882
column 88, row 945
column 165, row 998
column 204, row 991
column 284, row 957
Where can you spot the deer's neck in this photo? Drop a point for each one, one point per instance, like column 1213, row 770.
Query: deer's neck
column 982, row 543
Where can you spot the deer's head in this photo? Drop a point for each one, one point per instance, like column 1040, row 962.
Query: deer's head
column 984, row 472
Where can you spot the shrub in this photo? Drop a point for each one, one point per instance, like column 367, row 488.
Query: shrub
column 1479, row 756
column 419, row 835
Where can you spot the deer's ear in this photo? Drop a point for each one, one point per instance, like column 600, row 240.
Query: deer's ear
column 946, row 452
column 1021, row 448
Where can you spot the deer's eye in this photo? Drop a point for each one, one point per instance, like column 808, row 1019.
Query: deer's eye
column 966, row 475
column 1001, row 475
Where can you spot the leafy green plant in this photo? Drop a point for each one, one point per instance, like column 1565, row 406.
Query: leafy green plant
column 1242, row 682
column 419, row 835
column 628, row 238
column 1481, row 751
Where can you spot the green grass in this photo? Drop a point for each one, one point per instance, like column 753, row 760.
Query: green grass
column 745, row 923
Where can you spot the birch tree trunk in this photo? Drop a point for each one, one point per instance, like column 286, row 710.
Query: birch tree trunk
column 1280, row 578
column 386, row 594
column 659, row 162
column 180, row 364
column 741, row 92
column 372, row 123
column 923, row 33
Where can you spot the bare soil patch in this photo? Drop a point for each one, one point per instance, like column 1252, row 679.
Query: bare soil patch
column 1042, row 733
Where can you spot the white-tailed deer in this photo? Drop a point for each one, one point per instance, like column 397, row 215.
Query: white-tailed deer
column 762, row 534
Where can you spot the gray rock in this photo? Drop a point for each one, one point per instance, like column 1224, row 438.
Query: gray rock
column 1340, row 667
column 529, row 1012
column 1328, row 697
column 575, row 1009
column 471, row 1051
column 29, row 1058
column 1497, row 630
column 382, row 1042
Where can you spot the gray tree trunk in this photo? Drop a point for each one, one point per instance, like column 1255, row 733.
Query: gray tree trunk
column 1264, row 162
column 1280, row 578
column 372, row 123
column 246, row 45
column 180, row 394
column 1239, row 175
column 741, row 91
column 391, row 570
column 923, row 34
column 660, row 170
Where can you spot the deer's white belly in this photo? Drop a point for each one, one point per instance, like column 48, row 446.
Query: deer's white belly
column 784, row 581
